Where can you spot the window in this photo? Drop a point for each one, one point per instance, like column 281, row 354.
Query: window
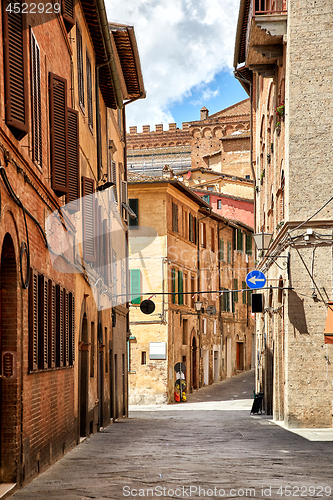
column 89, row 92
column 15, row 72
column 124, row 200
column 36, row 105
column 180, row 288
column 244, row 287
column 114, row 179
column 173, row 285
column 225, row 300
column 174, row 218
column 221, row 250
column 88, row 219
column 190, row 228
column 185, row 331
column 203, row 234
column 143, row 357
column 234, row 238
column 59, row 134
column 134, row 205
column 51, row 324
column 219, row 204
column 185, row 223
column 80, row 75
column 73, row 195
column 212, row 238
column 206, row 198
column 67, row 10
column 239, row 240
column 204, row 325
column 235, row 294
column 185, row 290
column 229, row 252
column 248, row 244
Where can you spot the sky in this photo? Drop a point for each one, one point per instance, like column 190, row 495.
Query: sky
column 186, row 51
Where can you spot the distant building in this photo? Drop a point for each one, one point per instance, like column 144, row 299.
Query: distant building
column 181, row 252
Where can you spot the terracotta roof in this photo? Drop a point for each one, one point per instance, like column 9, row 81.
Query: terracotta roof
column 135, row 177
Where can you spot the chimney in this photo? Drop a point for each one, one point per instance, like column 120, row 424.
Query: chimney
column 204, row 113
column 146, row 129
column 133, row 130
column 159, row 128
column 172, row 126
column 185, row 125
column 167, row 172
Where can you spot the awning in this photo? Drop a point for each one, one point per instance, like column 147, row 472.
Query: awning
column 328, row 332
column 132, row 214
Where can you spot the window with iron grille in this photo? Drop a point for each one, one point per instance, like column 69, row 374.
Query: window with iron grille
column 37, row 149
column 174, row 218
column 15, row 70
column 89, row 92
column 80, row 75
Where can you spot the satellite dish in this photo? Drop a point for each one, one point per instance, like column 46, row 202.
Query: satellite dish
column 147, row 306
column 211, row 310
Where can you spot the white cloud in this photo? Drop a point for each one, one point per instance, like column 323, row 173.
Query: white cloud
column 182, row 45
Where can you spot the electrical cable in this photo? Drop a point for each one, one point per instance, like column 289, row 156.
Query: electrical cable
column 307, row 220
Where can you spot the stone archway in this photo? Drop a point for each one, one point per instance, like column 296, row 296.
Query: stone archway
column 9, row 408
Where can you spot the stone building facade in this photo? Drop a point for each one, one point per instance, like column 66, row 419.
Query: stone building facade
column 277, row 60
column 181, row 251
column 58, row 378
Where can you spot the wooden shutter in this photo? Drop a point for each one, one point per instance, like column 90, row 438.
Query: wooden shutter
column 248, row 243
column 173, row 284
column 33, row 321
column 37, row 144
column 73, row 195
column 59, row 134
column 88, row 215
column 135, row 278
column 89, row 92
column 114, row 180
column 80, row 76
column 174, row 218
column 52, row 324
column 134, row 205
column 190, row 228
column 59, row 326
column 71, row 329
column 212, row 233
column 124, row 198
column 43, row 314
column 107, row 253
column 195, row 231
column 65, row 327
column 180, row 288
column 15, row 70
column 68, row 13
column 221, row 250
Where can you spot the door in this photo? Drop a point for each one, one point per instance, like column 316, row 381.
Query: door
column 229, row 365
column 206, row 367
column 216, row 366
column 83, row 378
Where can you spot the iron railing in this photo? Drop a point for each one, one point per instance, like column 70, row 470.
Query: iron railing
column 269, row 7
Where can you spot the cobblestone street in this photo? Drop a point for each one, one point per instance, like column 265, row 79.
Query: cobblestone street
column 208, row 447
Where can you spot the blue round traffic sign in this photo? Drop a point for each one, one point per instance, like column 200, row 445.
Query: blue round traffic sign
column 255, row 279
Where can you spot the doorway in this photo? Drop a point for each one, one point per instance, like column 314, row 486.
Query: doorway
column 194, row 364
column 83, row 377
column 9, row 421
column 216, row 366
column 240, row 356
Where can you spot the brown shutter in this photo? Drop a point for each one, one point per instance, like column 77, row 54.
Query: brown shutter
column 66, row 328
column 80, row 76
column 15, row 69
column 71, row 329
column 37, row 144
column 72, row 198
column 107, row 254
column 42, row 322
column 68, row 13
column 114, row 180
column 89, row 92
column 88, row 215
column 33, row 321
column 59, row 326
column 59, row 134
column 52, row 324
column 124, row 198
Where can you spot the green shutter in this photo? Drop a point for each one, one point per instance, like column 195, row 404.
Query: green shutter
column 135, row 275
column 206, row 198
column 239, row 240
column 180, row 288
column 134, row 205
column 248, row 243
column 244, row 291
column 173, row 279
column 229, row 252
column 221, row 250
column 235, row 294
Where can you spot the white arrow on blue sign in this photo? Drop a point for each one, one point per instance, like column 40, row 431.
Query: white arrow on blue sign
column 255, row 279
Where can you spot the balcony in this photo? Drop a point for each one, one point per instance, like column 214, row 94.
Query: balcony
column 265, row 28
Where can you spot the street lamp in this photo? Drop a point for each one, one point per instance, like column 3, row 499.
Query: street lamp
column 262, row 240
column 198, row 305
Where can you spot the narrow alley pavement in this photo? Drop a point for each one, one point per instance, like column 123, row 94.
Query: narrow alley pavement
column 208, row 447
